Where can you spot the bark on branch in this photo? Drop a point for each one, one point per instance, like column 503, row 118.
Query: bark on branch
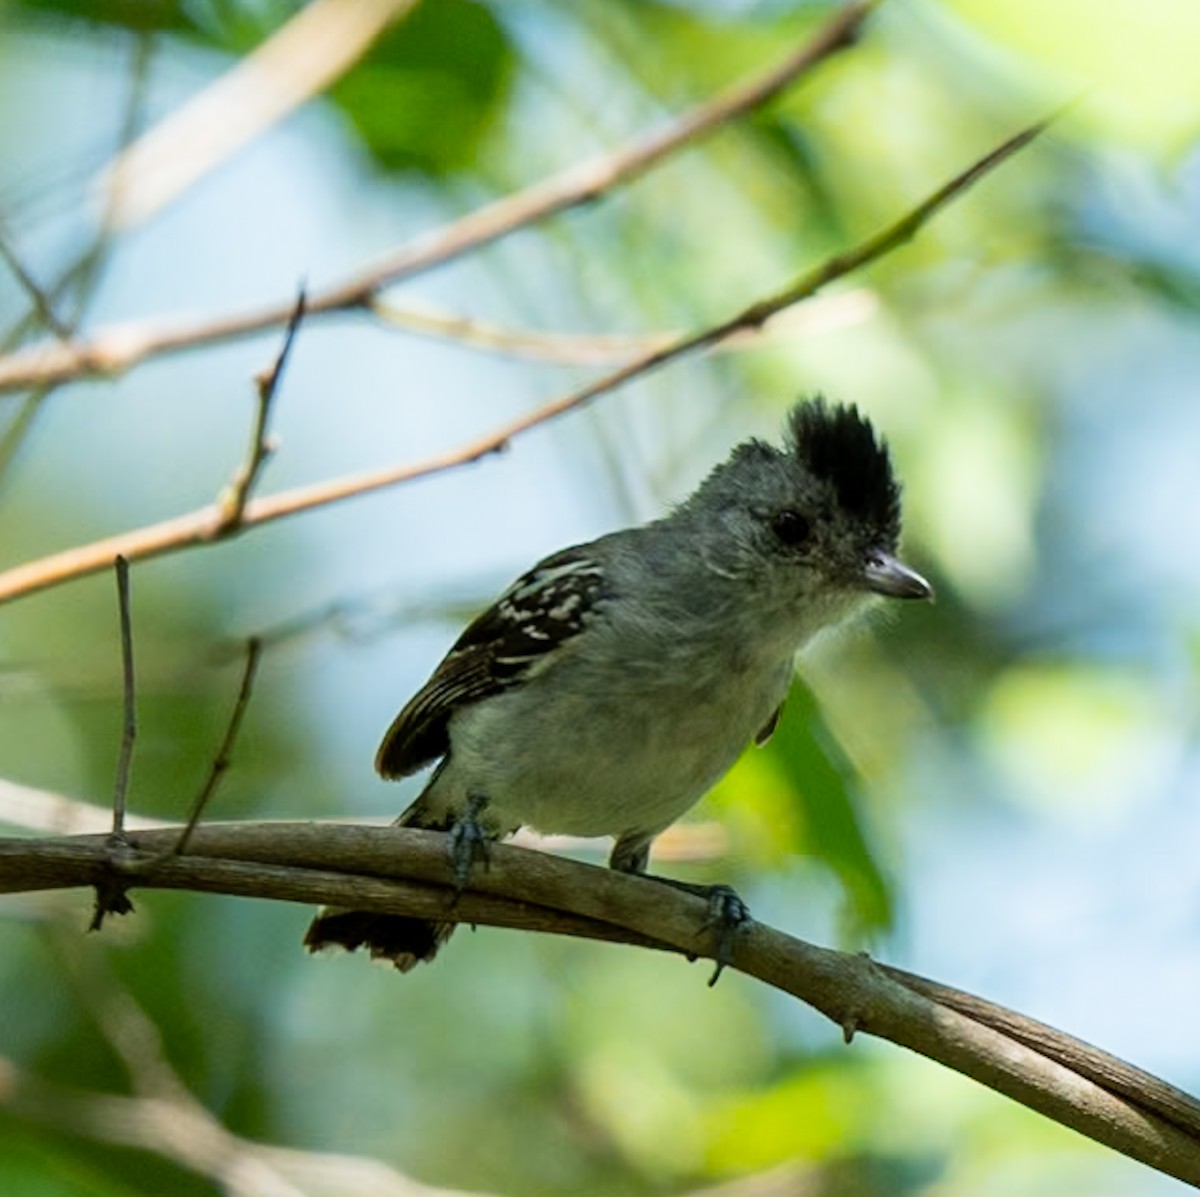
column 406, row 872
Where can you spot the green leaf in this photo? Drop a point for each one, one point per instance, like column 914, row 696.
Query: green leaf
column 428, row 90
column 827, row 789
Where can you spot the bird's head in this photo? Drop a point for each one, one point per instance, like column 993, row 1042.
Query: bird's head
column 816, row 521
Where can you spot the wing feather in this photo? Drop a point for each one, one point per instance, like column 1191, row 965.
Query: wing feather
column 539, row 612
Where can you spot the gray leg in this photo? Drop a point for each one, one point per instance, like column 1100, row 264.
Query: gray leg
column 468, row 841
column 631, row 853
column 726, row 911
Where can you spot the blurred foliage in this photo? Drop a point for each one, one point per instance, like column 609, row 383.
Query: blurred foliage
column 420, row 99
column 994, row 791
column 801, row 796
column 424, row 95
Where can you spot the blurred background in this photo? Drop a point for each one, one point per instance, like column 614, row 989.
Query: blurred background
column 999, row 791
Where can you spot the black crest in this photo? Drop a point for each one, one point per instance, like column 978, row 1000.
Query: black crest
column 840, row 447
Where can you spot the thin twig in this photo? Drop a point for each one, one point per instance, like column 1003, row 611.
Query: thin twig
column 402, row 871
column 224, row 757
column 197, row 527
column 116, row 349
column 84, row 273
column 606, row 349
column 18, row 429
column 43, row 308
column 129, row 724
column 232, row 503
column 111, row 891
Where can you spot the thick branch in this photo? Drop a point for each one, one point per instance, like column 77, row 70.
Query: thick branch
column 1029, row 1062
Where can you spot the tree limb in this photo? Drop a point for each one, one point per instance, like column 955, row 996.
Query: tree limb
column 210, row 523
column 403, row 871
column 116, row 349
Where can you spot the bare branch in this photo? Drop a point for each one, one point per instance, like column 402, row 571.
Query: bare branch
column 402, row 871
column 129, row 723
column 1116, row 1075
column 204, row 525
column 233, row 502
column 116, row 349
column 83, row 274
column 584, row 349
column 43, row 307
column 223, row 759
column 110, row 891
column 320, row 43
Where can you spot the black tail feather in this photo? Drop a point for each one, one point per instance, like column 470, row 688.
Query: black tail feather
column 405, row 941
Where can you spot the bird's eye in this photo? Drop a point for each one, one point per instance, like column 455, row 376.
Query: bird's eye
column 791, row 527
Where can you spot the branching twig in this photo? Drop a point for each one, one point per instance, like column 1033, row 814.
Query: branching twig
column 43, row 307
column 232, row 503
column 222, row 760
column 115, row 350
column 197, row 527
column 402, row 871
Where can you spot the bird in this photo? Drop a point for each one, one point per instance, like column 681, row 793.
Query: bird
column 614, row 683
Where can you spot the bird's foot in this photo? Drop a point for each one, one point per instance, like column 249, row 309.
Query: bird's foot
column 469, row 842
column 727, row 915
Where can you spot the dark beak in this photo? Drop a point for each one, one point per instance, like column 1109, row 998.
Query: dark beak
column 888, row 576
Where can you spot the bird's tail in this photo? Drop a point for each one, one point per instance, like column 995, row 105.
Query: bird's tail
column 405, row 941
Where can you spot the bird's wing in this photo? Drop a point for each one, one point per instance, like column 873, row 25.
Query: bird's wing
column 538, row 613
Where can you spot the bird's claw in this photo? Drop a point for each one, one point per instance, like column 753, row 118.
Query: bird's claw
column 727, row 914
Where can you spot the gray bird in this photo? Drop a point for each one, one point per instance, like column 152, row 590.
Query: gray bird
column 610, row 687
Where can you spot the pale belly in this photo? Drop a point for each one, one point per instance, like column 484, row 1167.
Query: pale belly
column 626, row 764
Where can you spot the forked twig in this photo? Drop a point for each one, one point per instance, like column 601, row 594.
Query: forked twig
column 43, row 306
column 232, row 503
